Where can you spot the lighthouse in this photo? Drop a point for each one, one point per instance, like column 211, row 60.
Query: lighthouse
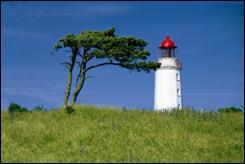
column 167, row 78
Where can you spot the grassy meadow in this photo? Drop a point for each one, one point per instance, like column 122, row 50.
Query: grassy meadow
column 93, row 134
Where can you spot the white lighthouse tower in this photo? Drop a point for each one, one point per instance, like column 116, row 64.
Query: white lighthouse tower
column 167, row 78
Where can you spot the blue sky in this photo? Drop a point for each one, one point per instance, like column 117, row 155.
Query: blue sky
column 209, row 36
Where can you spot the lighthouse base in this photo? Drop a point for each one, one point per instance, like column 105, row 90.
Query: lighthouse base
column 167, row 85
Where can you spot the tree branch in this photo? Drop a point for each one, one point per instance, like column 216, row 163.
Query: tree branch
column 102, row 64
column 80, row 54
column 85, row 50
column 83, row 56
column 89, row 58
column 67, row 64
column 78, row 76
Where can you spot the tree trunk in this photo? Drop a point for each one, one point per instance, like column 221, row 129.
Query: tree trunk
column 68, row 88
column 69, row 82
column 80, row 84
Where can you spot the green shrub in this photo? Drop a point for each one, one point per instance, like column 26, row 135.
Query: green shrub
column 230, row 109
column 23, row 109
column 69, row 109
column 13, row 107
column 39, row 109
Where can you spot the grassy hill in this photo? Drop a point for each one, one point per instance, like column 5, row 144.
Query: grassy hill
column 95, row 135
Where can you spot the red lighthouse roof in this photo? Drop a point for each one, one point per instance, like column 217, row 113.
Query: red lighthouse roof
column 167, row 43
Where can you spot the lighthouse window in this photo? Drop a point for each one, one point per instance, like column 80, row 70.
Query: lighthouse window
column 177, row 76
column 178, row 92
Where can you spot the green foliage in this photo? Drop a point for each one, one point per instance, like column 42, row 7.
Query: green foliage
column 107, row 135
column 13, row 107
column 39, row 109
column 230, row 109
column 126, row 52
column 69, row 109
column 23, row 109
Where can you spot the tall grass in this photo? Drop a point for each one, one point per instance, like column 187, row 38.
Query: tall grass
column 108, row 135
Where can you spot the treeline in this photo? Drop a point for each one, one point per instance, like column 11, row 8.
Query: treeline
column 13, row 107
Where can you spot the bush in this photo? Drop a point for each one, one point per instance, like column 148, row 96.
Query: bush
column 39, row 109
column 23, row 109
column 13, row 107
column 69, row 109
column 229, row 109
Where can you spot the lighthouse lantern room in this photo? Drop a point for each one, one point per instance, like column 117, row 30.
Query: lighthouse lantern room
column 167, row 78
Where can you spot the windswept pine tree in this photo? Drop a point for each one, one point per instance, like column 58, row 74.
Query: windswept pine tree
column 125, row 52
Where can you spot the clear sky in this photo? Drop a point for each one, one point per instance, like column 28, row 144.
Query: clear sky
column 209, row 36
